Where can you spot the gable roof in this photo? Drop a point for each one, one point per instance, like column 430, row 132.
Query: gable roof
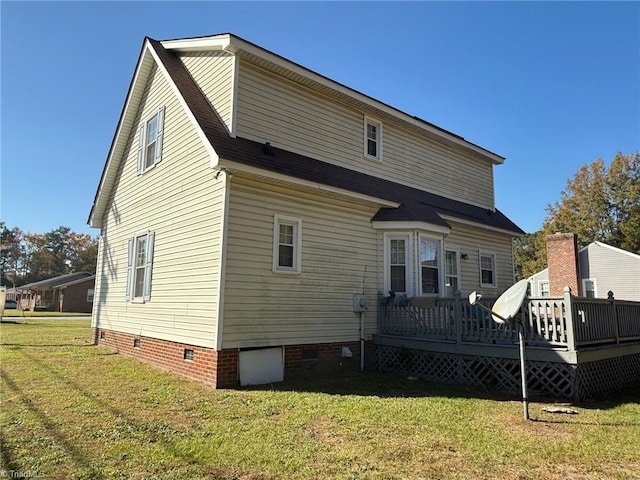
column 610, row 247
column 57, row 282
column 235, row 152
column 585, row 248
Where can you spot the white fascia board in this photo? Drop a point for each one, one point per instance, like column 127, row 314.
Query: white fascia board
column 239, row 44
column 120, row 139
column 480, row 225
column 207, row 144
column 611, row 247
column 410, row 225
column 232, row 167
column 217, row 42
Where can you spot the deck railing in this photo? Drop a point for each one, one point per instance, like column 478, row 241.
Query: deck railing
column 566, row 322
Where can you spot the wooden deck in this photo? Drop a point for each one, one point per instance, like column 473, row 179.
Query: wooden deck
column 576, row 347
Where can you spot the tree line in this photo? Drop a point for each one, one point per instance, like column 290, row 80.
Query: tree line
column 599, row 203
column 31, row 257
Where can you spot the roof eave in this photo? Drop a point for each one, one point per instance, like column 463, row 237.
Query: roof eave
column 118, row 144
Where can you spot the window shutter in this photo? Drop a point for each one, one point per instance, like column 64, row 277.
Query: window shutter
column 160, row 135
column 146, row 295
column 127, row 294
column 141, row 151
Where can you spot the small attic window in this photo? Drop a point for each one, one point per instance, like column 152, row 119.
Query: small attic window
column 372, row 138
column 150, row 141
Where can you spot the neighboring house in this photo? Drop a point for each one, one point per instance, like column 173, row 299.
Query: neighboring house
column 245, row 200
column 72, row 292
column 592, row 271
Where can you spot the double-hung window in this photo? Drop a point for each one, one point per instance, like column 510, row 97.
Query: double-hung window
column 429, row 266
column 372, row 138
column 139, row 265
column 488, row 270
column 287, row 244
column 543, row 287
column 451, row 276
column 398, row 263
column 589, row 287
column 150, row 141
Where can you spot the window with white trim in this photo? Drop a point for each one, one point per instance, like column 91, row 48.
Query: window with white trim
column 139, row 265
column 372, row 138
column 150, row 142
column 429, row 266
column 451, row 273
column 543, row 288
column 90, row 293
column 589, row 287
column 287, row 244
column 398, row 264
column 488, row 270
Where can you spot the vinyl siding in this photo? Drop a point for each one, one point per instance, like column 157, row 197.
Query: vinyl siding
column 180, row 200
column 214, row 72
column 534, row 282
column 612, row 270
column 472, row 240
column 263, row 308
column 298, row 119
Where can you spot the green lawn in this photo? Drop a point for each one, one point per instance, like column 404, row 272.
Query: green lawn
column 74, row 411
column 26, row 313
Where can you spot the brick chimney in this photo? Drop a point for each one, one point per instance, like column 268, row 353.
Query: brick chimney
column 562, row 260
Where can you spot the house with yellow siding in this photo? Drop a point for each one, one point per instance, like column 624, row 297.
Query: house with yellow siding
column 252, row 212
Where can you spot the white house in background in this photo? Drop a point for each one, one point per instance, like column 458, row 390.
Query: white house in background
column 246, row 199
column 601, row 269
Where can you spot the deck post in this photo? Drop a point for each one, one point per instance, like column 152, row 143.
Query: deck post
column 614, row 307
column 457, row 314
column 523, row 371
column 568, row 311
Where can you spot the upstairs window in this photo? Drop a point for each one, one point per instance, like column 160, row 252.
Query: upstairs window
column 140, row 261
column 287, row 244
column 487, row 270
column 372, row 138
column 150, row 142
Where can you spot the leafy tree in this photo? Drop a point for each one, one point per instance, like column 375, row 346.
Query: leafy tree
column 10, row 253
column 530, row 254
column 30, row 257
column 623, row 182
column 82, row 252
column 598, row 204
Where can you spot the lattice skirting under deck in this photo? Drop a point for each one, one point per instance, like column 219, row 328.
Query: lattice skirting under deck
column 544, row 379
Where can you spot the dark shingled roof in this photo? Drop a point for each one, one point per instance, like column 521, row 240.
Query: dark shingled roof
column 416, row 205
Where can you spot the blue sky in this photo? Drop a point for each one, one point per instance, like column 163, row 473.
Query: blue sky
column 550, row 86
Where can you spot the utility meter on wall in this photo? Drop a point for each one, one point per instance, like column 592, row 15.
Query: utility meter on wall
column 359, row 302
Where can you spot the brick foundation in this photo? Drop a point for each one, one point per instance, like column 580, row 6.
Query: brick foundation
column 214, row 368
column 219, row 368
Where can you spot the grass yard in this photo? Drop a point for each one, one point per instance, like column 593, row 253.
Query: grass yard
column 10, row 312
column 74, row 411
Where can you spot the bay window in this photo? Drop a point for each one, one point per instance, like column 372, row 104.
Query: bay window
column 429, row 266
